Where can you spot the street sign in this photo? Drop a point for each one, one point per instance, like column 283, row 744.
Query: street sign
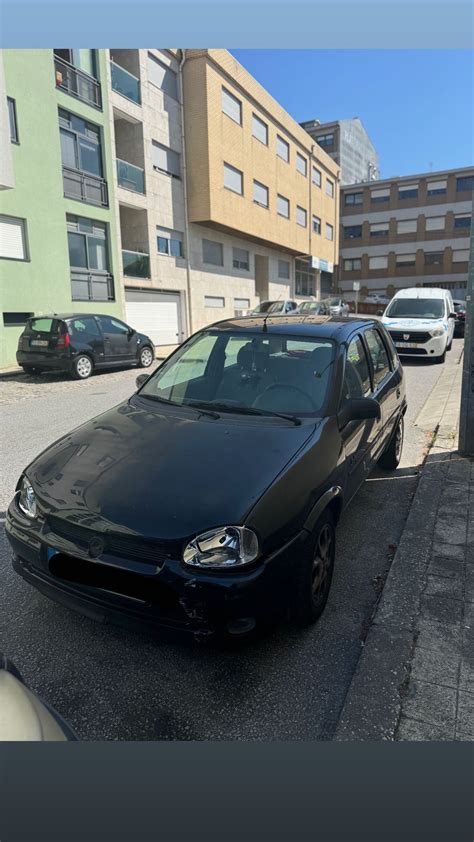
column 356, row 286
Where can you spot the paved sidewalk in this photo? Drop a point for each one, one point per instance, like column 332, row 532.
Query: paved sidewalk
column 415, row 677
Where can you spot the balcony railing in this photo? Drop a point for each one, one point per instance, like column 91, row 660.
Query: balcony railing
column 125, row 83
column 130, row 177
column 91, row 286
column 77, row 83
column 84, row 187
column 136, row 264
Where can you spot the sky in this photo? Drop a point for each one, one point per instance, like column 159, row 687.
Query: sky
column 416, row 105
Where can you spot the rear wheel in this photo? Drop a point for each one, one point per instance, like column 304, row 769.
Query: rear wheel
column 82, row 367
column 145, row 357
column 314, row 573
column 390, row 458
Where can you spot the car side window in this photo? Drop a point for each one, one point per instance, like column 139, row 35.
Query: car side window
column 84, row 327
column 356, row 372
column 378, row 355
column 110, row 325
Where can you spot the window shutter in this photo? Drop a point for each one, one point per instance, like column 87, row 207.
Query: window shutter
column 461, row 256
column 283, row 206
column 260, row 194
column 165, row 159
column 162, row 76
column 12, row 238
column 406, row 226
column 380, row 194
column 231, row 106
column 435, row 223
column 233, row 179
column 378, row 262
column 437, row 185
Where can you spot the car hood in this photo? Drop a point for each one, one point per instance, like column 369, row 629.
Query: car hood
column 413, row 324
column 157, row 472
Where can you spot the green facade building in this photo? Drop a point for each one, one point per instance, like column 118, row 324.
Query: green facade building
column 58, row 244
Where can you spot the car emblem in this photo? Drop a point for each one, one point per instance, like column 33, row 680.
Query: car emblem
column 406, row 336
column 96, row 547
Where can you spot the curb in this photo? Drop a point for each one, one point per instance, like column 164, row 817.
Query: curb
column 373, row 703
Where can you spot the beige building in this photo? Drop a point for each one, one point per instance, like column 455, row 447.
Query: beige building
column 223, row 199
column 409, row 231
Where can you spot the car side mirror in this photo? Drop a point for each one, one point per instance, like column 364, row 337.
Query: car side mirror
column 131, row 331
column 379, row 313
column 360, row 409
column 452, row 316
column 141, row 379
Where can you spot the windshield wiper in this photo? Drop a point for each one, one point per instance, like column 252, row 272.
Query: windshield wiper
column 209, row 413
column 249, row 410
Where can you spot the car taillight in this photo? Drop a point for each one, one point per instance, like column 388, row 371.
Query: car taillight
column 64, row 341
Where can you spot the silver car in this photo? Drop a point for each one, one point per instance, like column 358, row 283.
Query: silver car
column 337, row 306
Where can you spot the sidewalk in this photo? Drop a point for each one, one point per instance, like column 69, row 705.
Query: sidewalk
column 415, row 677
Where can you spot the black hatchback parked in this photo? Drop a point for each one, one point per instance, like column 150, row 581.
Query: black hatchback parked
column 80, row 343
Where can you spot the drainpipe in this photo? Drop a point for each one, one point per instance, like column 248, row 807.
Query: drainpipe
column 189, row 316
column 310, row 221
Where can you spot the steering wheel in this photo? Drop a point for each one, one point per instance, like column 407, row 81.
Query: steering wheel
column 284, row 387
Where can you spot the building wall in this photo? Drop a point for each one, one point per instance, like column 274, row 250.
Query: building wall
column 351, row 148
column 42, row 283
column 447, row 240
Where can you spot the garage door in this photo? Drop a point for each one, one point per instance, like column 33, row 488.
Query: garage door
column 157, row 314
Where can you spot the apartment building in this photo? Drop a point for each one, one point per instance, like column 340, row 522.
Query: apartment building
column 349, row 145
column 223, row 200
column 57, row 217
column 408, row 231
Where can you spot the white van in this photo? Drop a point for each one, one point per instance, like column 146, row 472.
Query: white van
column 420, row 321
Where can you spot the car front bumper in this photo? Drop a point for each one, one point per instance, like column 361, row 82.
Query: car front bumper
column 433, row 347
column 183, row 599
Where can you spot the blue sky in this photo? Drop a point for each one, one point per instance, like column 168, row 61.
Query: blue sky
column 416, row 105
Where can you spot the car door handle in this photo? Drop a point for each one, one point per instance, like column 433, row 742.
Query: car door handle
column 398, row 392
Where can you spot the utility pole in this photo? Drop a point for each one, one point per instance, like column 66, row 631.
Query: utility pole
column 466, row 421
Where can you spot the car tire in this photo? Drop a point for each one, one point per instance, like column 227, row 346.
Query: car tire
column 314, row 573
column 390, row 458
column 145, row 357
column 82, row 367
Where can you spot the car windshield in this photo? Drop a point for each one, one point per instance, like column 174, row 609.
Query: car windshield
column 308, row 306
column 333, row 302
column 246, row 373
column 416, row 308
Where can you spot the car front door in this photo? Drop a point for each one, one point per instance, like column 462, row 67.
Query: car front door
column 384, row 390
column 120, row 342
column 356, row 435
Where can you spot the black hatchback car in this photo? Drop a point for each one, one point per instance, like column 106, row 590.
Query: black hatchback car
column 209, row 500
column 80, row 343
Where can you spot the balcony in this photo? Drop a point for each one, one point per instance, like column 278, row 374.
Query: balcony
column 136, row 264
column 130, row 177
column 125, row 83
column 84, row 187
column 77, row 83
column 91, row 286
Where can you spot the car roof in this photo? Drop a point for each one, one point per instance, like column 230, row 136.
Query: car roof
column 65, row 316
column 332, row 327
column 421, row 292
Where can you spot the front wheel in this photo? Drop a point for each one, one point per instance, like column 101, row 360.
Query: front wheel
column 314, row 573
column 390, row 458
column 82, row 367
column 145, row 357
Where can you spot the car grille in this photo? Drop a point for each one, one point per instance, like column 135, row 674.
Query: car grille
column 115, row 544
column 413, row 336
column 410, row 351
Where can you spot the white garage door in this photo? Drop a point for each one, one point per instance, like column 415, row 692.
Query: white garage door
column 156, row 314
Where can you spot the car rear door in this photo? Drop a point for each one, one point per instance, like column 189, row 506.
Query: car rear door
column 384, row 389
column 86, row 337
column 120, row 343
column 356, row 435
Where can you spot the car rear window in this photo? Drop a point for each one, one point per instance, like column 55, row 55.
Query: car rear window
column 42, row 326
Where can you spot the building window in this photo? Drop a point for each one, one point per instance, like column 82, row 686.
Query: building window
column 283, row 206
column 89, row 259
column 325, row 140
column 408, row 191
column 462, row 220
column 14, row 137
column 435, row 223
column 162, row 76
column 165, row 160
column 436, row 188
column 241, row 259
column 305, row 283
column 241, row 303
column 259, row 129
column 301, row 164
column 465, row 184
column 379, row 229
column 170, row 242
column 214, row 301
column 433, row 258
column 80, row 144
column 329, row 231
column 301, row 216
column 353, row 198
column 212, row 253
column 378, row 262
column 352, row 232
column 316, row 177
column 16, row 319
column 76, row 74
column 231, row 106
column 260, row 194
column 13, row 238
column 352, row 265
column 380, row 196
column 233, row 179
column 316, row 225
column 406, row 260
column 284, row 270
column 406, row 226
column 329, row 188
column 283, row 148
column 460, row 255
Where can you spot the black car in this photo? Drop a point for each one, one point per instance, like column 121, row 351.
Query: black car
column 209, row 500
column 80, row 343
column 460, row 320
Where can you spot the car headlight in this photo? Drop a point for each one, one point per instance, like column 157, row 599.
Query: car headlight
column 227, row 546
column 27, row 498
column 438, row 331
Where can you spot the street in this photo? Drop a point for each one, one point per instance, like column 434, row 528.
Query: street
column 112, row 684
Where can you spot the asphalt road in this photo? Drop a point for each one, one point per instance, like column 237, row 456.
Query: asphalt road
column 114, row 684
